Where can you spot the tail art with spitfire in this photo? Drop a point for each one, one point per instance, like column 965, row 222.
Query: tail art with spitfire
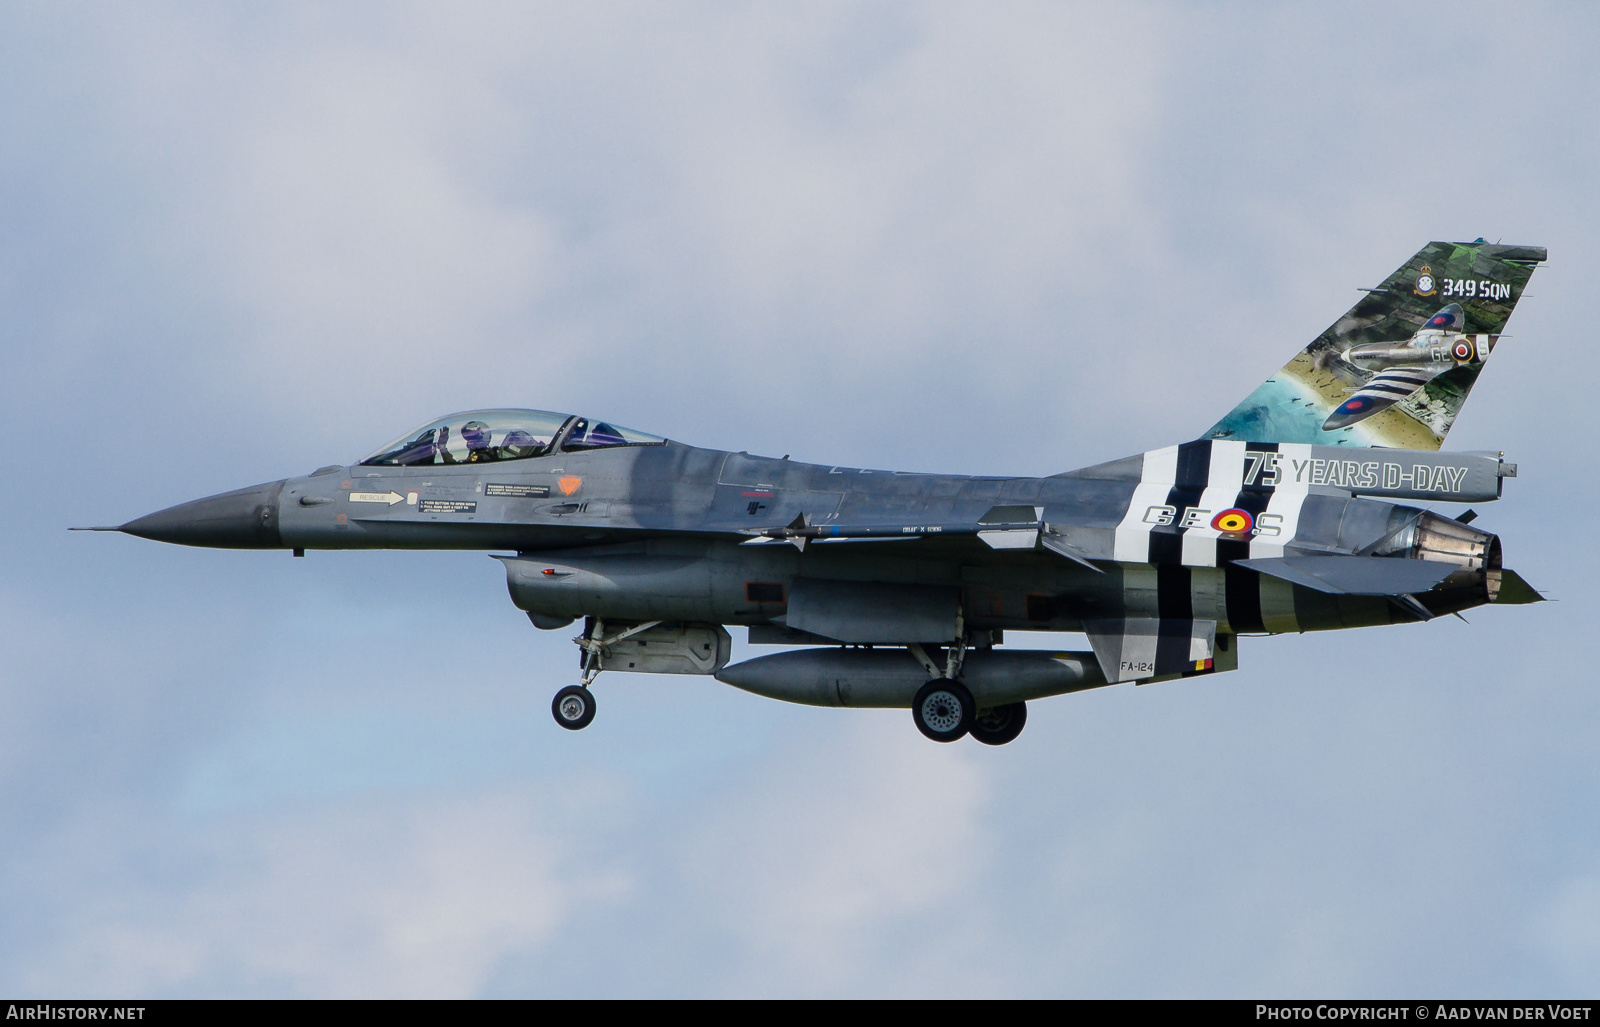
column 1295, row 512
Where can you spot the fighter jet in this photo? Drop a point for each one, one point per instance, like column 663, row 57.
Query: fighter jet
column 894, row 589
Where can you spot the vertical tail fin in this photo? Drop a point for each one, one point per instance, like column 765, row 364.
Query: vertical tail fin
column 1396, row 368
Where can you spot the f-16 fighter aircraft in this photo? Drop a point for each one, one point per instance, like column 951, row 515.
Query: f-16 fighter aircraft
column 894, row 589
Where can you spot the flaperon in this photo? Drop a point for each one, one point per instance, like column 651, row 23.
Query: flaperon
column 1288, row 515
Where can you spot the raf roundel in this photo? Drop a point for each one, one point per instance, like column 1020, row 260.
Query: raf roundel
column 1233, row 522
column 1463, row 350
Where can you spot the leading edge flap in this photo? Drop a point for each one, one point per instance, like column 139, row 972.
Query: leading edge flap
column 1396, row 369
column 1141, row 648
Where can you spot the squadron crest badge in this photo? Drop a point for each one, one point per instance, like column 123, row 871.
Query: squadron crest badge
column 1425, row 285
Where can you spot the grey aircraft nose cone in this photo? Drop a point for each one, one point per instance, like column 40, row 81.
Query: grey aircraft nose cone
column 242, row 519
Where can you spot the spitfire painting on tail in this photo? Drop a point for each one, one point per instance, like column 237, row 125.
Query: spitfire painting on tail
column 1396, row 368
column 890, row 589
column 1393, row 374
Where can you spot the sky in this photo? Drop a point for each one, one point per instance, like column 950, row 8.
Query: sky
column 238, row 242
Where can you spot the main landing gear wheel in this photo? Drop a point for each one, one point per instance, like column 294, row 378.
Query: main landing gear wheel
column 573, row 707
column 1000, row 724
column 943, row 710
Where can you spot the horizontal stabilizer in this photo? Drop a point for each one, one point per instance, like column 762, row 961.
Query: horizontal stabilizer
column 1354, row 575
column 1514, row 591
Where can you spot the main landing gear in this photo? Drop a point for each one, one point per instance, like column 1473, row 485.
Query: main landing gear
column 999, row 724
column 944, row 708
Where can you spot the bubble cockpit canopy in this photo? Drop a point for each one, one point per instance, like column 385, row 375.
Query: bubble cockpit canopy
column 478, row 436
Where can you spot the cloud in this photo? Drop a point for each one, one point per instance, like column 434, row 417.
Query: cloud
column 413, row 896
column 820, row 860
column 376, row 223
column 1569, row 930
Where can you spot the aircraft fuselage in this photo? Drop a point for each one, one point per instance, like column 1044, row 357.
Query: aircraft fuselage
column 661, row 533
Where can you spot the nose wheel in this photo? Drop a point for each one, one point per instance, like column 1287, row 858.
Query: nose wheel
column 573, row 707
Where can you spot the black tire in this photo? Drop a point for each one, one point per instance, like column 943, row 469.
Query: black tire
column 943, row 710
column 573, row 707
column 1000, row 724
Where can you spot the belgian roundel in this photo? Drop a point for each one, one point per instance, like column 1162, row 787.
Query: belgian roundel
column 1233, row 522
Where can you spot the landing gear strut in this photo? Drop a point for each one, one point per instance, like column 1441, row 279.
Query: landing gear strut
column 944, row 709
column 573, row 706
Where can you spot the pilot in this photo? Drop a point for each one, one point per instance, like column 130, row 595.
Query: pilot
column 477, row 435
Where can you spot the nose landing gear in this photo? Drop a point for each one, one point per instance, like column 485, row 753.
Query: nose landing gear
column 573, row 707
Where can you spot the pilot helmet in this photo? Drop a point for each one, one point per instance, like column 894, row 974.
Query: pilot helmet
column 476, row 434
